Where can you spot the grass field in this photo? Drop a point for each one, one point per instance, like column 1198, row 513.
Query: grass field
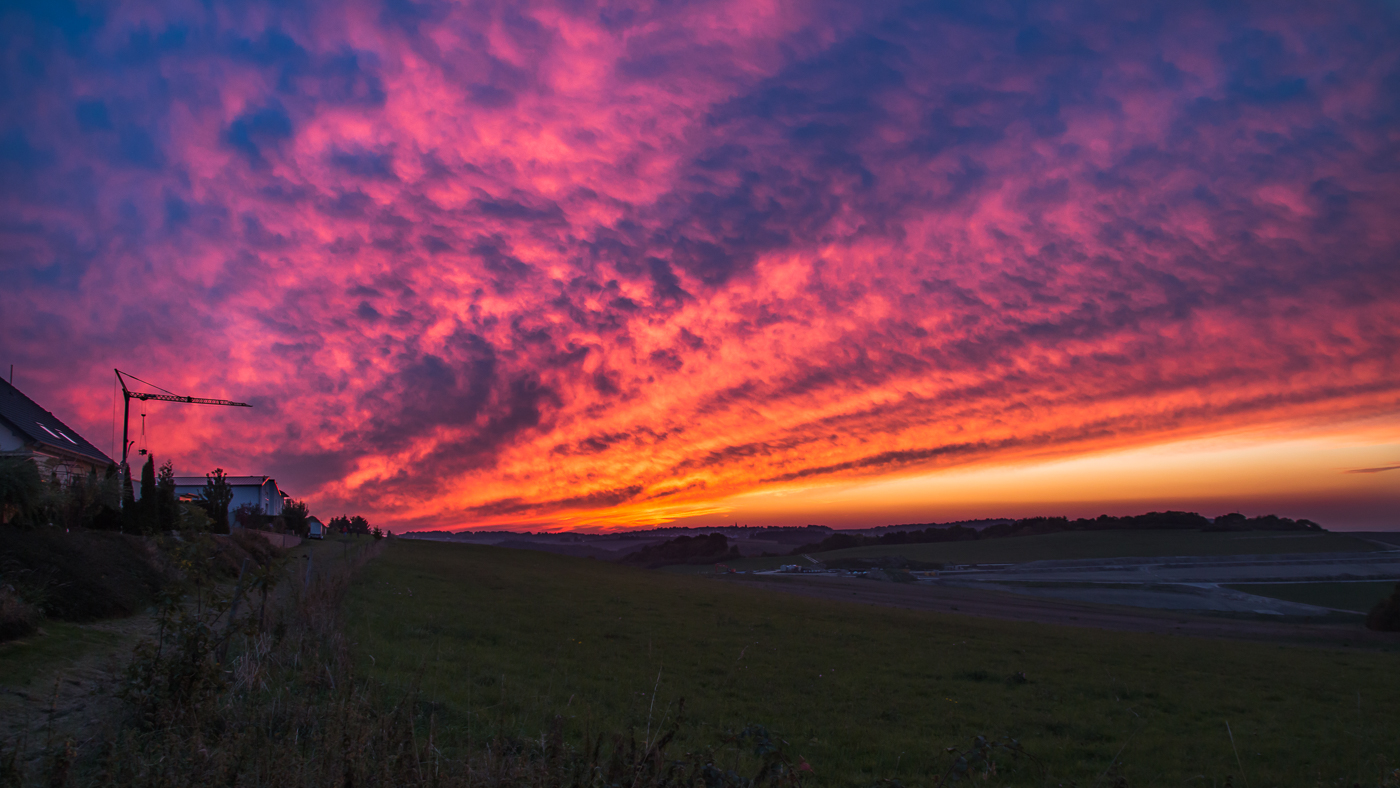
column 501, row 640
column 55, row 645
column 1081, row 544
column 1357, row 597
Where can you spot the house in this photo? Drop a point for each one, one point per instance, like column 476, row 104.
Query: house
column 259, row 492
column 315, row 529
column 29, row 431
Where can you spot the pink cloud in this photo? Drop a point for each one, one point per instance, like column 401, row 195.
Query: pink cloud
column 507, row 263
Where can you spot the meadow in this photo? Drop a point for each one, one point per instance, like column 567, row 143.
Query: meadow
column 1358, row 597
column 497, row 642
column 1072, row 545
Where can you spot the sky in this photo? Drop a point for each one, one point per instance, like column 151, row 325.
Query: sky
column 617, row 265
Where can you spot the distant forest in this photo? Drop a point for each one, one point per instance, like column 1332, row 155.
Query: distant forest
column 1032, row 526
column 684, row 550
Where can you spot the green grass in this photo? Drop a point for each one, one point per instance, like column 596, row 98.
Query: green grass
column 1080, row 545
column 55, row 644
column 1358, row 597
column 501, row 640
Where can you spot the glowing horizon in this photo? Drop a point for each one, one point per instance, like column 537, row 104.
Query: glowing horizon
column 614, row 266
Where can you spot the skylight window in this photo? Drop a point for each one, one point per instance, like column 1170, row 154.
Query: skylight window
column 58, row 434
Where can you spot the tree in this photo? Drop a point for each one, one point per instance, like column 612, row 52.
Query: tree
column 21, row 488
column 218, row 494
column 78, row 502
column 1385, row 616
column 128, row 500
column 147, row 509
column 295, row 514
column 167, row 504
column 249, row 516
column 107, row 515
column 359, row 525
column 193, row 518
column 340, row 525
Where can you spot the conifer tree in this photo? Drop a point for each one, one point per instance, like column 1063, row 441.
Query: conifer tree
column 167, row 506
column 147, row 512
column 218, row 494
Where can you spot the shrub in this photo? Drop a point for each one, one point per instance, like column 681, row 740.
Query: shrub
column 218, row 494
column 1385, row 616
column 20, row 489
column 82, row 575
column 17, row 617
column 295, row 514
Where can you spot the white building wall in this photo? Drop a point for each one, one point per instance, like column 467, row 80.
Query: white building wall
column 266, row 498
column 9, row 441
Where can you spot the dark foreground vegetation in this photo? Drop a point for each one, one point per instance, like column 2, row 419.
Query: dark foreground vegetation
column 253, row 683
column 82, row 576
column 452, row 665
column 1385, row 616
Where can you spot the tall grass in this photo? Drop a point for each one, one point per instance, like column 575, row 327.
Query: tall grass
column 254, row 685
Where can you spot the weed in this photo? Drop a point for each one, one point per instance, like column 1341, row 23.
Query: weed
column 270, row 696
column 985, row 758
column 17, row 617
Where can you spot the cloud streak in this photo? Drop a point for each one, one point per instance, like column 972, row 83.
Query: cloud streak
column 608, row 263
column 1374, row 470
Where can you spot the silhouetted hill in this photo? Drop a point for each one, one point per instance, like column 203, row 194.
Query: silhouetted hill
column 1032, row 526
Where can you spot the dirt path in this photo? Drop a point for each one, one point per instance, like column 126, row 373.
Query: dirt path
column 72, row 698
column 1014, row 607
column 59, row 686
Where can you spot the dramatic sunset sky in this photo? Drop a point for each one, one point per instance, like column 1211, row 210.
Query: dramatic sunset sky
column 603, row 265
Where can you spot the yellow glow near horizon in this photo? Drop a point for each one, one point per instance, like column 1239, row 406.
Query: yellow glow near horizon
column 1301, row 473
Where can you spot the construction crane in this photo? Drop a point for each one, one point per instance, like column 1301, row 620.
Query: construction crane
column 128, row 395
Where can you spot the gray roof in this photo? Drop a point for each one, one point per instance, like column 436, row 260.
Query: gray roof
column 25, row 416
column 233, row 481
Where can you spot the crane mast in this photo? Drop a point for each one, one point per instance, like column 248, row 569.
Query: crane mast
column 128, row 395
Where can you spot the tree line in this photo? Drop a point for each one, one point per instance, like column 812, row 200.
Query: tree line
column 1034, row 526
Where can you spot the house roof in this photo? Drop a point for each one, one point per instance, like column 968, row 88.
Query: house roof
column 233, row 481
column 26, row 417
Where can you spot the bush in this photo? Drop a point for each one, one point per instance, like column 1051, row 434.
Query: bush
column 17, row 617
column 1385, row 616
column 21, row 489
column 253, row 547
column 295, row 514
column 82, row 575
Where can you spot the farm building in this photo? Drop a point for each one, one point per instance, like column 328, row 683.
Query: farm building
column 29, row 431
column 315, row 529
column 259, row 492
